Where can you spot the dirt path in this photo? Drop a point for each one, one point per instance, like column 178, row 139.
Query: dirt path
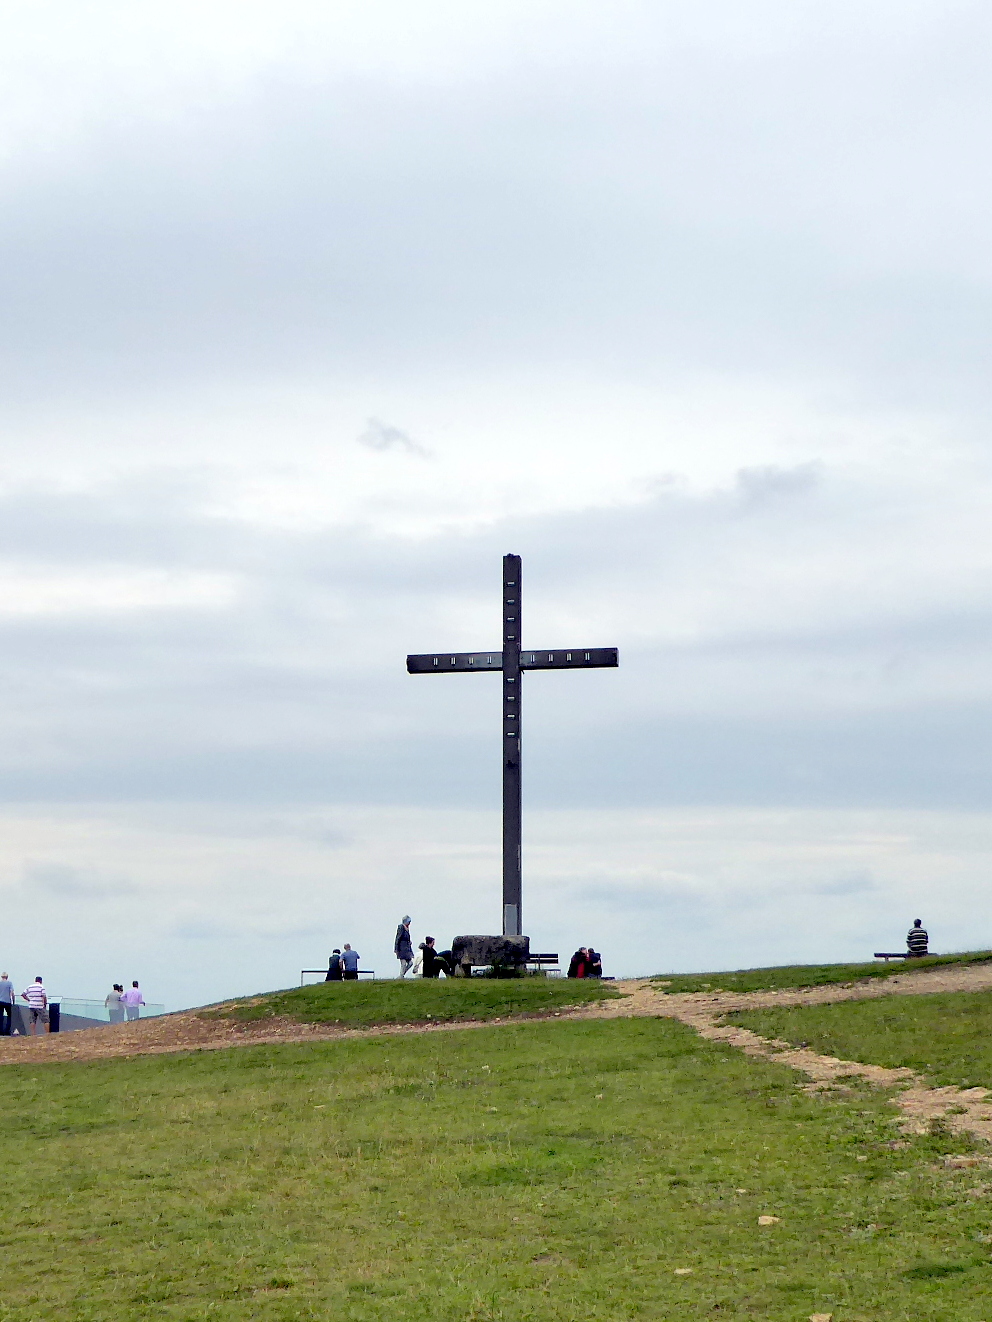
column 966, row 1110
column 962, row 1110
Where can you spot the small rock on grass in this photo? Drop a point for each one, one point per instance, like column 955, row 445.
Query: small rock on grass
column 683, row 1271
column 821, row 1317
column 769, row 1220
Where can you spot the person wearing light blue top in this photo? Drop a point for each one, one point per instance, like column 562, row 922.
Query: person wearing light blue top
column 349, row 958
column 6, row 1006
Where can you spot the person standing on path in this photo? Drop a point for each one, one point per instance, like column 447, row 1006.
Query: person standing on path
column 37, row 999
column 133, row 1000
column 349, row 958
column 6, row 1006
column 917, row 940
column 403, row 946
column 115, row 1004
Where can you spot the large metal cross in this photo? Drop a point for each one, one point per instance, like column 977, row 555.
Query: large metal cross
column 512, row 661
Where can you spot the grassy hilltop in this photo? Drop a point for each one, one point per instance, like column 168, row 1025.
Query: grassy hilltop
column 542, row 1171
column 419, row 1001
column 809, row 975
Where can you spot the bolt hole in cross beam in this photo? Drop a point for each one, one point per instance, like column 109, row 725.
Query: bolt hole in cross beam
column 512, row 661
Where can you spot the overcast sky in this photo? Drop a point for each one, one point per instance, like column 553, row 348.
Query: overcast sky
column 311, row 312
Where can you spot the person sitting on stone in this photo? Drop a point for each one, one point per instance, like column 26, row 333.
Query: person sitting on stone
column 917, row 939
column 433, row 964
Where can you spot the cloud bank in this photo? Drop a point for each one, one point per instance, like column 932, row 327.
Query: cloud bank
column 700, row 338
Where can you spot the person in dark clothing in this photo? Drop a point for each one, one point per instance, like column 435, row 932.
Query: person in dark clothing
column 594, row 969
column 403, row 946
column 579, row 964
column 334, row 970
column 434, row 963
column 917, row 940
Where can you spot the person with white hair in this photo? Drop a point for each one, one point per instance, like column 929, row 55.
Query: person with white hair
column 6, row 1006
column 403, row 945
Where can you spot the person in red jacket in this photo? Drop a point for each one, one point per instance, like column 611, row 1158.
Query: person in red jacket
column 579, row 964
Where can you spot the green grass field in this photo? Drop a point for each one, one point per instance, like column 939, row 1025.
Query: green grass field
column 947, row 1038
column 810, row 975
column 418, row 1001
column 527, row 1172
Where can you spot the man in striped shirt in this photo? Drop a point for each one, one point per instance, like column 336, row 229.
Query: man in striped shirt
column 917, row 939
column 37, row 999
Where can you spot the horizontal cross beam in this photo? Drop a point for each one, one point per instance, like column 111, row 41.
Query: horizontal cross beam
column 578, row 658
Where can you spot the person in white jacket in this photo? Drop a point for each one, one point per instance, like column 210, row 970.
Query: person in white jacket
column 115, row 1004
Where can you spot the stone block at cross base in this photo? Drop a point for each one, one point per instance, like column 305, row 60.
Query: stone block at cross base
column 483, row 951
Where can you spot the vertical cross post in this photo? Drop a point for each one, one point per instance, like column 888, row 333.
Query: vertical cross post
column 512, row 697
column 512, row 663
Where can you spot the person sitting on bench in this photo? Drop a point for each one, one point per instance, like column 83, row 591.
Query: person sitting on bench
column 917, row 939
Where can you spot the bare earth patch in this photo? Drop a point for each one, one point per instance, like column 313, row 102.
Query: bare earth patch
column 960, row 1110
column 967, row 1110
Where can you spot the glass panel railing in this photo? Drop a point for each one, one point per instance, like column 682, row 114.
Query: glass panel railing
column 85, row 1009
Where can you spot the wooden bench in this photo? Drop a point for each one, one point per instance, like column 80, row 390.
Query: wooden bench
column 547, row 962
column 362, row 973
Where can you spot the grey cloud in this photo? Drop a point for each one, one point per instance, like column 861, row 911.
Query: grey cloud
column 649, row 216
column 855, row 883
column 676, row 901
column 770, row 481
column 268, row 698
column 63, row 882
column 378, row 436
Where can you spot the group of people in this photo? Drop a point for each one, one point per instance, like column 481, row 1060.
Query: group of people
column 124, row 1004
column 429, row 962
column 120, row 1003
column 343, row 965
column 36, row 1011
column 585, row 963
